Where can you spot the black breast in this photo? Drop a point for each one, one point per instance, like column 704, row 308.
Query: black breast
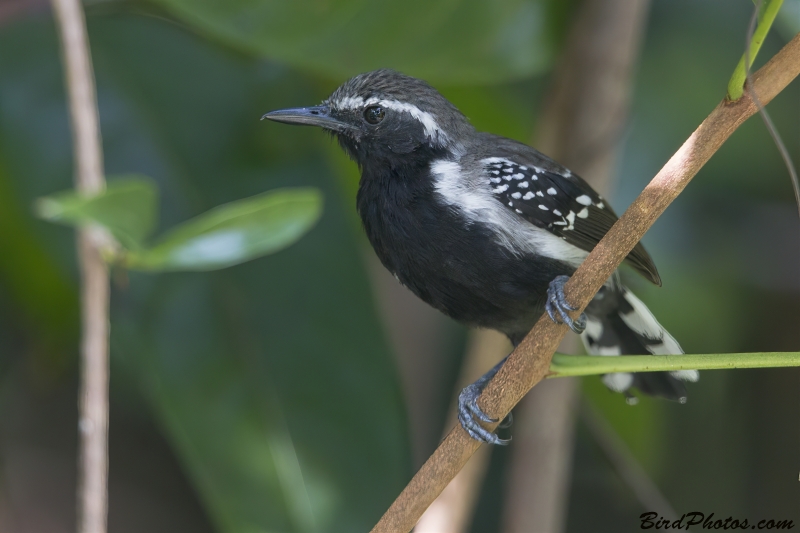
column 453, row 264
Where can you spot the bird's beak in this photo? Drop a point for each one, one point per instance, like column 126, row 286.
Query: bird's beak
column 311, row 116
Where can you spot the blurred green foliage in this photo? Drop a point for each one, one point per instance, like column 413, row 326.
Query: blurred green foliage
column 126, row 208
column 233, row 233
column 453, row 41
column 227, row 235
column 272, row 380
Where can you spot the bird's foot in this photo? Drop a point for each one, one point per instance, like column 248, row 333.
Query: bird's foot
column 470, row 415
column 558, row 308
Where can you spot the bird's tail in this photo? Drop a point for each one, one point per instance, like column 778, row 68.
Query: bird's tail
column 618, row 323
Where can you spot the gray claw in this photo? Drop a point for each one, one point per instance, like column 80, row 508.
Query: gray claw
column 468, row 403
column 507, row 422
column 469, row 413
column 558, row 308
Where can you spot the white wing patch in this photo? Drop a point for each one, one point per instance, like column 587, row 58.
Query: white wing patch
column 476, row 198
column 526, row 182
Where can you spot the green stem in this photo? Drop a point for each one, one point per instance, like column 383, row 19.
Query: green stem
column 736, row 85
column 587, row 365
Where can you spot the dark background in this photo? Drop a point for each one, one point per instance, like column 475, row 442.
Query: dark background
column 266, row 397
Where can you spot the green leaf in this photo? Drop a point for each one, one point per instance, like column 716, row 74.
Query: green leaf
column 234, row 233
column 271, row 380
column 127, row 208
column 449, row 41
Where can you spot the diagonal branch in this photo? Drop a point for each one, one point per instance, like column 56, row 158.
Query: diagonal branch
column 89, row 179
column 529, row 363
column 584, row 117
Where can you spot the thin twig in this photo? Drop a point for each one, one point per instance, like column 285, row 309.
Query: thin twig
column 89, row 179
column 529, row 363
column 773, row 131
column 588, row 365
column 736, row 84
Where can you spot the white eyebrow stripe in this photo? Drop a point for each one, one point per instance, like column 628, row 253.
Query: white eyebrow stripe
column 349, row 102
column 427, row 120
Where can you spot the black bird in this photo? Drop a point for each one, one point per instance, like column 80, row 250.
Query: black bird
column 484, row 228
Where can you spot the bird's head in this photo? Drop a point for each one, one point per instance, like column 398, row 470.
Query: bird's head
column 385, row 115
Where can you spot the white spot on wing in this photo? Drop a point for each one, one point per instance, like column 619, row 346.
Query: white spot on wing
column 584, row 200
column 473, row 196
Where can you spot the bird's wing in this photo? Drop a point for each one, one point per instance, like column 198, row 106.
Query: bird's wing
column 553, row 198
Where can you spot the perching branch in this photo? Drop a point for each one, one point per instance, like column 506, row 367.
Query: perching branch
column 583, row 119
column 89, row 179
column 530, row 362
column 453, row 509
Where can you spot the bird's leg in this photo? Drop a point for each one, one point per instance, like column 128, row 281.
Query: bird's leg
column 558, row 308
column 469, row 413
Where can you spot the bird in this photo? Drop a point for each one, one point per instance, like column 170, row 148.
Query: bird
column 484, row 228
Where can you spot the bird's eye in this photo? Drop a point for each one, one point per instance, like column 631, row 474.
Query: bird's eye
column 374, row 114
